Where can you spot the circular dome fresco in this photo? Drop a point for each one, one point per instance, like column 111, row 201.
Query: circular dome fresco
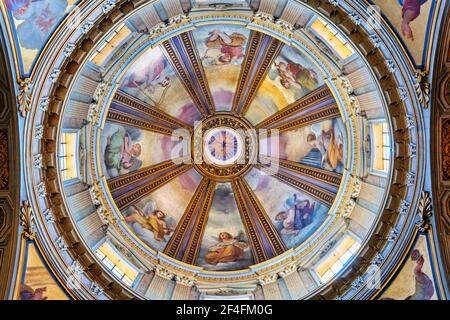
column 225, row 152
column 255, row 168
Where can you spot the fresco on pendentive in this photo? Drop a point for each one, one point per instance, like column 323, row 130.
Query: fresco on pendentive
column 295, row 215
column 152, row 79
column 321, row 145
column 126, row 149
column 410, row 18
column 292, row 76
column 225, row 245
column 154, row 218
column 222, row 50
column 34, row 21
column 415, row 281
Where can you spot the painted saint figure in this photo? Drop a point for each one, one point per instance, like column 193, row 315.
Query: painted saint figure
column 121, row 153
column 229, row 249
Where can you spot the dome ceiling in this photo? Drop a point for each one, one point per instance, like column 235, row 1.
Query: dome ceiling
column 223, row 150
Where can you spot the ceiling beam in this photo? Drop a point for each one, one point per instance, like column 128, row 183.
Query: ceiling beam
column 314, row 100
column 182, row 53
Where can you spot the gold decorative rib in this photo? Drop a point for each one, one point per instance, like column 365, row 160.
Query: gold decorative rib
column 174, row 246
column 310, row 100
column 274, row 239
column 193, row 248
column 131, row 120
column 156, row 113
column 132, row 177
column 242, row 99
column 316, row 192
column 322, row 175
column 256, row 244
column 131, row 197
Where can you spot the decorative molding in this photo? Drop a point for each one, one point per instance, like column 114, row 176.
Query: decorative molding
column 108, row 5
column 24, row 97
column 39, row 132
column 302, row 105
column 127, row 119
column 4, row 159
column 322, row 175
column 319, row 193
column 38, row 161
column 54, row 75
column 61, row 243
column 41, row 189
column 94, row 107
column 173, row 247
